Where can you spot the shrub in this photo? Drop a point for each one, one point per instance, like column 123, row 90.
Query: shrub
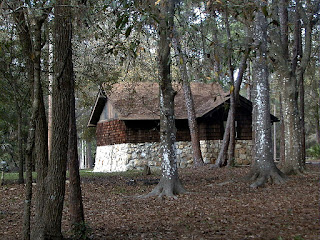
column 314, row 151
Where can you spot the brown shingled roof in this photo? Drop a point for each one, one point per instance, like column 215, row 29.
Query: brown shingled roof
column 140, row 101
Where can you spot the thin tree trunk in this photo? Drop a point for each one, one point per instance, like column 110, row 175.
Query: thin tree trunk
column 33, row 71
column 274, row 135
column 20, row 146
column 50, row 77
column 41, row 137
column 169, row 184
column 37, row 23
column 282, row 139
column 221, row 161
column 193, row 125
column 75, row 196
column 89, row 155
column 318, row 122
column 232, row 109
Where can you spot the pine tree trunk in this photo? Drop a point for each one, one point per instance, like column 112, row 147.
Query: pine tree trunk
column 169, row 184
column 193, row 125
column 263, row 167
column 63, row 72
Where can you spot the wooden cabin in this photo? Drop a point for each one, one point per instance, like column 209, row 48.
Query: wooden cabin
column 128, row 113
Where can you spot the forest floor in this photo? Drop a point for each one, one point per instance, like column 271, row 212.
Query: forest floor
column 218, row 206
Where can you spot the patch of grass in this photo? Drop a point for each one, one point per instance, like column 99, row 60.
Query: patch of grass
column 10, row 177
column 127, row 174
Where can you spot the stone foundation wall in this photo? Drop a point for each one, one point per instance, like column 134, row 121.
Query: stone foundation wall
column 128, row 156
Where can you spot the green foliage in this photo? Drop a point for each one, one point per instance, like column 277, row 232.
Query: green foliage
column 314, row 151
column 81, row 231
column 298, row 237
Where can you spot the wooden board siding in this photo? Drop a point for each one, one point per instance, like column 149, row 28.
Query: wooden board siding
column 210, row 131
column 140, row 131
column 244, row 126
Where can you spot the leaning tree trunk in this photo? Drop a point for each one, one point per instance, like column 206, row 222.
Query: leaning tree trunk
column 193, row 125
column 63, row 72
column 232, row 109
column 263, row 167
column 221, row 161
column 169, row 184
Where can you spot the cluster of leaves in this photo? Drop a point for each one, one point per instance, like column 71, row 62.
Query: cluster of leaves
column 314, row 151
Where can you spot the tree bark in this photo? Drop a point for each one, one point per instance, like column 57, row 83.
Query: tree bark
column 89, row 155
column 31, row 46
column 75, row 195
column 282, row 139
column 193, row 125
column 169, row 184
column 263, row 167
column 63, row 72
column 318, row 122
column 41, row 134
column 20, row 146
column 232, row 109
column 221, row 161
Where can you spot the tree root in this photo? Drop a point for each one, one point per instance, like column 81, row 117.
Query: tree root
column 167, row 188
column 260, row 179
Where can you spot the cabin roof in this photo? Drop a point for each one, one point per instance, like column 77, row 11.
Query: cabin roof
column 140, row 101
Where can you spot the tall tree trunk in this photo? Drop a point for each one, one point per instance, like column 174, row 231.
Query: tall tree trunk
column 50, row 78
column 41, row 134
column 169, row 184
column 32, row 136
column 221, row 161
column 263, row 167
column 193, row 125
column 232, row 109
column 75, row 196
column 282, row 139
column 318, row 122
column 274, row 135
column 32, row 54
column 20, row 146
column 89, row 155
column 63, row 72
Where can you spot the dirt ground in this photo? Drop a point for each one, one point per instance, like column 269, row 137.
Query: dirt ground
column 214, row 208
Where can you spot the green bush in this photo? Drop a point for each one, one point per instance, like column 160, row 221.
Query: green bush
column 314, row 151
